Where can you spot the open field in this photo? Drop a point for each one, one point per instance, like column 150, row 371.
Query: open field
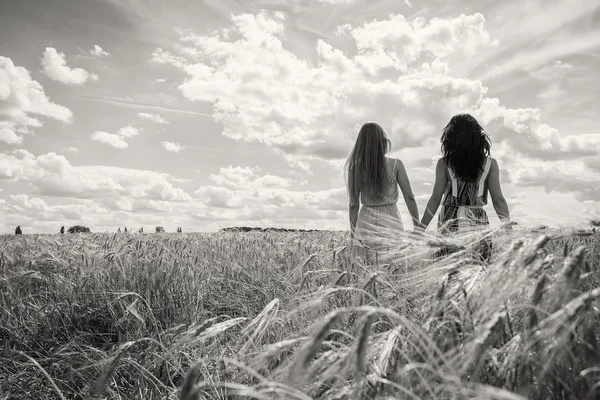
column 288, row 316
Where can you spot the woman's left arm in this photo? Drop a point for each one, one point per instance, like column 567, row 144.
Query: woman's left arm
column 436, row 197
column 354, row 206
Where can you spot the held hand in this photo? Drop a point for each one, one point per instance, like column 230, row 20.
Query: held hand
column 507, row 226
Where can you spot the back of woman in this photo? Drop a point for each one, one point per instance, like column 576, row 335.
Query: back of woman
column 464, row 176
column 464, row 199
column 373, row 181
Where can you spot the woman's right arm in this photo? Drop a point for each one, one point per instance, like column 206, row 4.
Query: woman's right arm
column 498, row 200
column 407, row 193
column 436, row 196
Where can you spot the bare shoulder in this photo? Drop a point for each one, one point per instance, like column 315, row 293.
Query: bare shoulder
column 493, row 164
column 440, row 164
column 393, row 162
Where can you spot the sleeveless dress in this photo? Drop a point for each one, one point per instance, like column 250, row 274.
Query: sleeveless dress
column 462, row 208
column 379, row 219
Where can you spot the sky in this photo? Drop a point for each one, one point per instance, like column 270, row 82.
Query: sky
column 218, row 113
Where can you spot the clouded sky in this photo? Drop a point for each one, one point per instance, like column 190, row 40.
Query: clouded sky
column 216, row 113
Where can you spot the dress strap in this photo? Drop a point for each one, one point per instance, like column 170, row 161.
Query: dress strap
column 395, row 162
column 454, row 182
column 484, row 175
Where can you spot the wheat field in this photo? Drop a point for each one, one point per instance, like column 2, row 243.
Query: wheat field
column 289, row 316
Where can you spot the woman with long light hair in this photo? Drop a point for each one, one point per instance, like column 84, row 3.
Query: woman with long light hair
column 372, row 181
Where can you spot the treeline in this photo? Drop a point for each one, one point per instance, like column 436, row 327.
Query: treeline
column 250, row 229
column 85, row 229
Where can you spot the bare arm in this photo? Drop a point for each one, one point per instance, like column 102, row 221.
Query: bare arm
column 498, row 199
column 407, row 193
column 438, row 191
column 354, row 206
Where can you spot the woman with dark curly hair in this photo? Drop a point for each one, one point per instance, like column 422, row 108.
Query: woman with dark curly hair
column 463, row 177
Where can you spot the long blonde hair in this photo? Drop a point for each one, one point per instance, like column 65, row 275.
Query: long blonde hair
column 365, row 167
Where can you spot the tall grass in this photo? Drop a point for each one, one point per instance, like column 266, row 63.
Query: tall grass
column 292, row 316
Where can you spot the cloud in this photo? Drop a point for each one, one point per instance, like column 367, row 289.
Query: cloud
column 552, row 71
column 243, row 193
column 128, row 131
column 399, row 74
column 27, row 211
column 99, row 52
column 55, row 67
column 153, row 117
column 21, row 100
column 174, row 147
column 8, row 135
column 238, row 177
column 72, row 149
column 53, row 175
column 337, row 2
column 129, row 103
column 316, row 109
column 26, row 204
column 398, row 42
column 593, row 162
column 161, row 80
column 116, row 140
column 522, row 130
column 559, row 176
column 112, row 139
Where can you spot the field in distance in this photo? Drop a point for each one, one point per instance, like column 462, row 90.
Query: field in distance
column 287, row 315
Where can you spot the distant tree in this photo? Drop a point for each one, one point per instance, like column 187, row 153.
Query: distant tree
column 125, row 229
column 78, row 228
column 119, row 230
column 159, row 229
column 18, row 231
column 141, row 230
column 62, row 229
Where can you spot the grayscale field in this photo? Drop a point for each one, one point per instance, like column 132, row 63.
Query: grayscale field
column 284, row 315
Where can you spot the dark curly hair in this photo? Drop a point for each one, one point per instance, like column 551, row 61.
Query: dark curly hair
column 465, row 146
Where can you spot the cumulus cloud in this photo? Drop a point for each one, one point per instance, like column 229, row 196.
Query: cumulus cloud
column 97, row 51
column 522, row 130
column 23, row 202
column 128, row 131
column 116, row 140
column 153, row 117
column 400, row 74
column 161, row 80
column 53, row 175
column 593, row 162
column 558, row 176
column 398, row 42
column 243, row 193
column 55, row 67
column 240, row 177
column 112, row 139
column 174, row 147
column 316, row 109
column 22, row 99
column 35, row 215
